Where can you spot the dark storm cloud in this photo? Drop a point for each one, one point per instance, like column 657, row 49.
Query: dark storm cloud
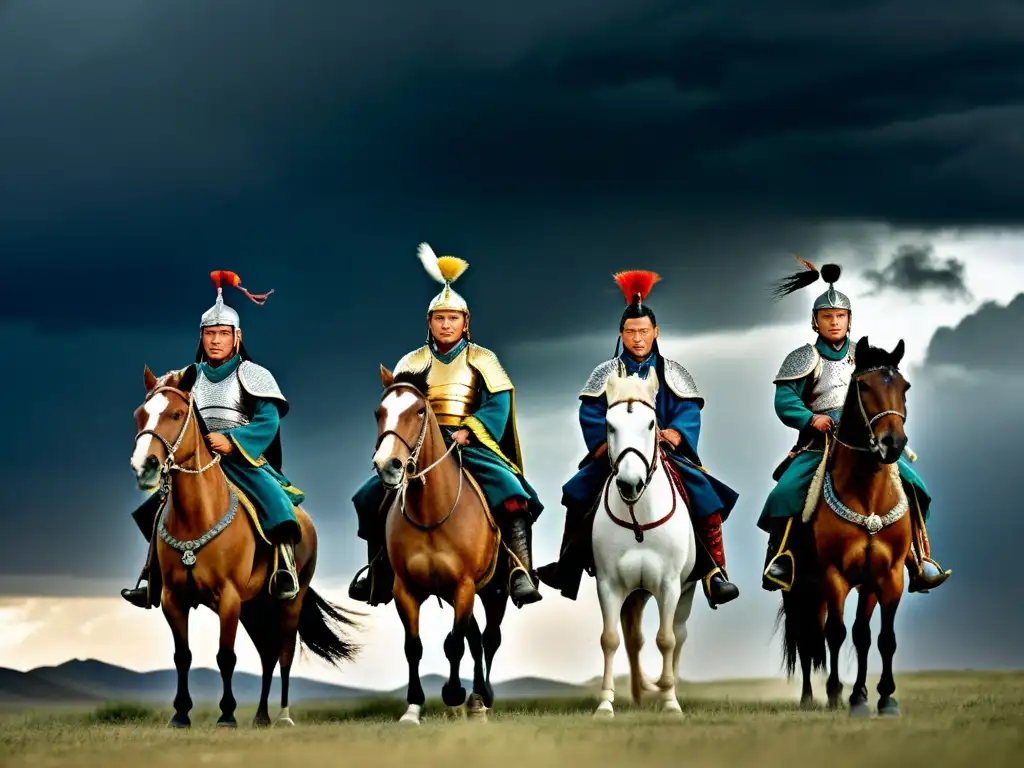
column 989, row 339
column 916, row 269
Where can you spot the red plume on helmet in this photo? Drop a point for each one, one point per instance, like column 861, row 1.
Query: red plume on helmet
column 220, row 276
column 636, row 284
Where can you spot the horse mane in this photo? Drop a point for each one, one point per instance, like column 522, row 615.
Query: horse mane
column 417, row 379
column 631, row 387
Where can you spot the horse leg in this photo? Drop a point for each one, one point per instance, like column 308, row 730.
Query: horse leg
column 891, row 591
column 177, row 619
column 408, row 607
column 668, row 601
column 611, row 597
column 453, row 693
column 229, row 607
column 262, row 630
column 836, row 590
column 866, row 602
column 475, row 705
column 290, row 631
column 495, row 604
column 633, row 634
column 682, row 618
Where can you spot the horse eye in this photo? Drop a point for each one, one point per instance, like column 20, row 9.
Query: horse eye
column 176, row 416
column 651, row 425
column 906, row 386
column 421, row 411
column 376, row 414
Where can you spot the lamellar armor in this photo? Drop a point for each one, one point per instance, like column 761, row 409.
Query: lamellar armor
column 830, row 379
column 677, row 379
column 222, row 404
column 453, row 388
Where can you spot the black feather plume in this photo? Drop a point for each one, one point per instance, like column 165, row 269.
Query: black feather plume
column 797, row 280
column 830, row 273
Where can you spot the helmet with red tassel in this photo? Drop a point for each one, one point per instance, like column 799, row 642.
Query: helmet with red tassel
column 635, row 285
column 220, row 313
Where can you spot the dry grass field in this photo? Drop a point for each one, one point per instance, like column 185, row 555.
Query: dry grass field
column 949, row 719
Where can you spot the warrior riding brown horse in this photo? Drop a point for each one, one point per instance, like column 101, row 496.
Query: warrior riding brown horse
column 209, row 555
column 860, row 536
column 441, row 541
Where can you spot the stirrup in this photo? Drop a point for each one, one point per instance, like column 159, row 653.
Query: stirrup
column 923, row 583
column 786, row 587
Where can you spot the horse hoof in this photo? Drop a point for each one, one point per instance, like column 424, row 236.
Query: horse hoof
column 284, row 722
column 227, row 721
column 860, row 709
column 261, row 722
column 604, row 710
column 411, row 716
column 453, row 696
column 671, row 707
column 179, row 722
column 888, row 708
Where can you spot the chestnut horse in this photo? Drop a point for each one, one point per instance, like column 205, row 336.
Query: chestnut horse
column 441, row 541
column 209, row 554
column 859, row 538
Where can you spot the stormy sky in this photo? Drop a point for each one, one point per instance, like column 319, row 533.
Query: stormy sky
column 311, row 147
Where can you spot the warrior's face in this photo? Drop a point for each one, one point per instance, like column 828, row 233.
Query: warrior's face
column 220, row 342
column 638, row 337
column 833, row 324
column 447, row 327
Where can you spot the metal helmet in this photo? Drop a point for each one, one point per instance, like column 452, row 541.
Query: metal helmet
column 220, row 313
column 445, row 270
column 830, row 299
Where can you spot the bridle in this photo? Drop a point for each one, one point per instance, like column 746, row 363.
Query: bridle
column 412, row 462
column 651, row 465
column 169, row 464
column 870, row 421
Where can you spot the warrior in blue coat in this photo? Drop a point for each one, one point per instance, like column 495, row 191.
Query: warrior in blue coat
column 679, row 406
column 474, row 402
column 810, row 390
column 240, row 408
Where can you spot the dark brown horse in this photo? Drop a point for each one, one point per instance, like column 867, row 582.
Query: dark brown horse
column 441, row 541
column 859, row 538
column 209, row 554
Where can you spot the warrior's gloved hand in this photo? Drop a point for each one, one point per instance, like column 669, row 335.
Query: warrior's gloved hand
column 219, row 443
column 670, row 436
column 821, row 422
column 461, row 437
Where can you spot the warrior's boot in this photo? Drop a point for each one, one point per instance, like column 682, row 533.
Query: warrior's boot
column 925, row 574
column 148, row 595
column 517, row 532
column 717, row 587
column 575, row 555
column 779, row 564
column 375, row 588
column 284, row 584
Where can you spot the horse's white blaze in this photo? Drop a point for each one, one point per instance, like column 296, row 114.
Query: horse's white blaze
column 153, row 408
column 659, row 565
column 394, row 405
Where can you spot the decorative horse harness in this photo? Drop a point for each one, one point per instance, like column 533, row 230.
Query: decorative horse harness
column 651, row 465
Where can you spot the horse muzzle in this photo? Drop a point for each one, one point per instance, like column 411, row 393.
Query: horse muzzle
column 148, row 477
column 889, row 447
column 391, row 473
column 629, row 490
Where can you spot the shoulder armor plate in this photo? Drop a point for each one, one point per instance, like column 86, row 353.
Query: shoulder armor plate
column 599, row 378
column 259, row 382
column 679, row 380
column 486, row 363
column 416, row 361
column 798, row 363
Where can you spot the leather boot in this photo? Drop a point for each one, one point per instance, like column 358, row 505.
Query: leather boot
column 780, row 564
column 521, row 588
column 925, row 573
column 147, row 595
column 375, row 588
column 284, row 584
column 717, row 587
column 575, row 555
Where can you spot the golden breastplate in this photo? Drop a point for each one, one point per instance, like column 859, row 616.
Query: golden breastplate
column 453, row 389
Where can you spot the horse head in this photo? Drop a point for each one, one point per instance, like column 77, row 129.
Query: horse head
column 878, row 396
column 401, row 425
column 631, row 432
column 162, row 423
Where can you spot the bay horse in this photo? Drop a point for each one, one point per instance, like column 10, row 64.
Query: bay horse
column 212, row 557
column 441, row 542
column 859, row 537
column 643, row 544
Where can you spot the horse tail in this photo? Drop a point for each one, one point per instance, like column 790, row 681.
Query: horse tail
column 800, row 611
column 321, row 628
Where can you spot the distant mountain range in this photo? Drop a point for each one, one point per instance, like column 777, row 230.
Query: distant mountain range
column 86, row 681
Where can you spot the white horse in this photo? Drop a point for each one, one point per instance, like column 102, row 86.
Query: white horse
column 643, row 544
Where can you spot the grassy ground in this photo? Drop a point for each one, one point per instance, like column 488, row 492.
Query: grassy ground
column 948, row 720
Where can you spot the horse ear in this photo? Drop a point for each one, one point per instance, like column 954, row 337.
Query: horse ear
column 148, row 378
column 862, row 348
column 897, row 353
column 386, row 377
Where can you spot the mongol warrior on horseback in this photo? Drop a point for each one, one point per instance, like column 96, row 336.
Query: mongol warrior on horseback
column 474, row 402
column 242, row 404
column 679, row 406
column 810, row 389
